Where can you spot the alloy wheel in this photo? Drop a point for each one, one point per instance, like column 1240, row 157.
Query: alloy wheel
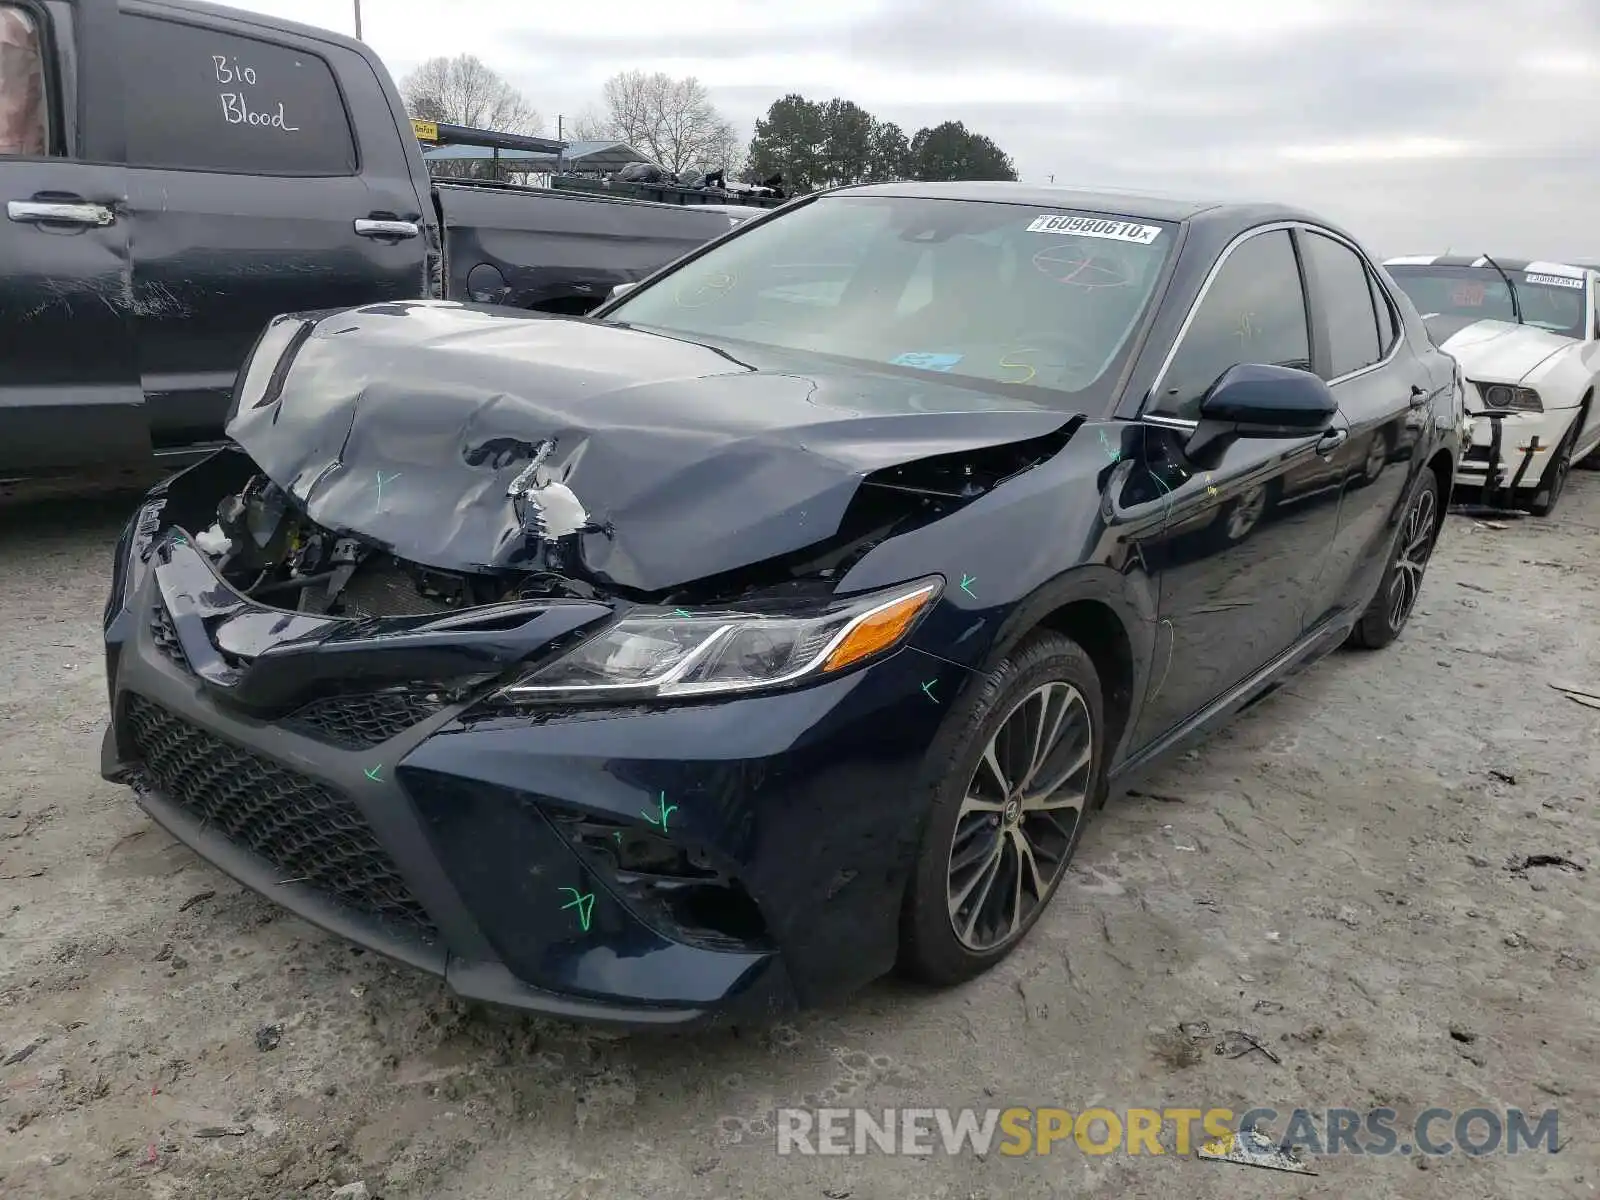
column 1018, row 818
column 1411, row 559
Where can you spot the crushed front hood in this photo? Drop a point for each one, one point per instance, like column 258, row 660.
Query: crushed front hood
column 469, row 438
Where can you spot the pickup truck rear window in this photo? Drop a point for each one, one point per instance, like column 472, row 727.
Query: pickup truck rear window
column 205, row 100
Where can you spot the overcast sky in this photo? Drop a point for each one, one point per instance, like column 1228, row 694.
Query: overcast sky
column 1420, row 124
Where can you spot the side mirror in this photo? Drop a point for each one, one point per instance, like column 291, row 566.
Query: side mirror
column 1261, row 400
column 622, row 289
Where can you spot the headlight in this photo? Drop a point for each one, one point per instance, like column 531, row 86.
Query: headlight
column 1504, row 397
column 681, row 653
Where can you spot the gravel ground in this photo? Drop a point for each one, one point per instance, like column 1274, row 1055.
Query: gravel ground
column 1330, row 874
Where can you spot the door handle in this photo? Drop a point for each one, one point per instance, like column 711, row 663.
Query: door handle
column 1419, row 395
column 1331, row 441
column 59, row 212
column 369, row 227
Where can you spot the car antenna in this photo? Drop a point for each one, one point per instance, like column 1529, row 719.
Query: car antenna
column 1516, row 304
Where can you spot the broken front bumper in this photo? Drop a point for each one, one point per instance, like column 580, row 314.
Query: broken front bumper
column 650, row 866
column 1510, row 451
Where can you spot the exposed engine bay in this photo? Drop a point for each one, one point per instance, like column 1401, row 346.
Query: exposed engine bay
column 266, row 547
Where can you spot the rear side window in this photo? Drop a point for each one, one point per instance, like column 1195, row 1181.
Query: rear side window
column 1346, row 295
column 203, row 100
column 1388, row 326
column 1253, row 312
column 24, row 108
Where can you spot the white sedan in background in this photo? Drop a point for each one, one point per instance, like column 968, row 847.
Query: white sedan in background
column 1527, row 336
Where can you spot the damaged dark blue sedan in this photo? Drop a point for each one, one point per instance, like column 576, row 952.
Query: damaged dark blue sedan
column 786, row 619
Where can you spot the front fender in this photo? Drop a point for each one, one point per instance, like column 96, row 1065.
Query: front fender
column 1043, row 539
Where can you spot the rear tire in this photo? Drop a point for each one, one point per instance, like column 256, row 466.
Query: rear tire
column 1006, row 815
column 1391, row 608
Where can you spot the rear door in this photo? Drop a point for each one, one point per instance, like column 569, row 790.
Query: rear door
column 1244, row 540
column 1383, row 394
column 251, row 196
column 69, row 388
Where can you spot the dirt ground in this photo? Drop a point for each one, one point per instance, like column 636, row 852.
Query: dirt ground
column 1331, row 875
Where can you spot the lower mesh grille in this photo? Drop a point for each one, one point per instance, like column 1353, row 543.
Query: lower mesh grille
column 360, row 722
column 309, row 832
column 165, row 635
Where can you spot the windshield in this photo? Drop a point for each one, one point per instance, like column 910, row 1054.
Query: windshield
column 1553, row 302
column 996, row 292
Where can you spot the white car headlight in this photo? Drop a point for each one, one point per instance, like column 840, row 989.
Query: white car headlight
column 1505, row 397
column 682, row 653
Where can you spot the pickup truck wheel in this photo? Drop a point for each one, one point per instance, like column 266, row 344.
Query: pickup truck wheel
column 1019, row 775
column 1391, row 608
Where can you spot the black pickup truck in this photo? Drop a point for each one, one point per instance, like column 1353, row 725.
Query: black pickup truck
column 174, row 174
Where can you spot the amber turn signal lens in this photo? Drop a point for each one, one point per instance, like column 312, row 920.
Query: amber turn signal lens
column 879, row 629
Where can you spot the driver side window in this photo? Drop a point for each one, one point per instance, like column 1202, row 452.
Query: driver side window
column 1253, row 312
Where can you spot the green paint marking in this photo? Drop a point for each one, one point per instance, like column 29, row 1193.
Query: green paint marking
column 678, row 612
column 665, row 809
column 381, row 482
column 927, row 689
column 583, row 902
column 372, row 773
column 965, row 580
column 1116, row 455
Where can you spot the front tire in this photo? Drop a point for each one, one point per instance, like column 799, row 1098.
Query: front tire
column 1397, row 595
column 1555, row 480
column 1017, row 783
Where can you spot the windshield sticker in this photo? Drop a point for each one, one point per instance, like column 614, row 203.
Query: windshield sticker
column 1116, row 231
column 1468, row 295
column 927, row 362
column 1556, row 281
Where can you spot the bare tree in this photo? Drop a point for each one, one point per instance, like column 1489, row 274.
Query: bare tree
column 592, row 125
column 465, row 91
column 671, row 120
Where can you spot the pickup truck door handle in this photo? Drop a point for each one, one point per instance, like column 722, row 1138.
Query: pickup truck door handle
column 59, row 212
column 368, row 227
column 1331, row 441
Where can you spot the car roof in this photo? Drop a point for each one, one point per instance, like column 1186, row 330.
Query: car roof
column 1154, row 206
column 1538, row 266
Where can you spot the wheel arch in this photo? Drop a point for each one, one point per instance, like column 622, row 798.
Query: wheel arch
column 1443, row 467
column 1095, row 626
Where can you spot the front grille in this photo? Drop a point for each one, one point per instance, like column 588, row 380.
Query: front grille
column 165, row 634
column 364, row 721
column 309, row 832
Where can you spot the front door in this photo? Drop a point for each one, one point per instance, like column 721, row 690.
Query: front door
column 1246, row 535
column 69, row 387
column 250, row 198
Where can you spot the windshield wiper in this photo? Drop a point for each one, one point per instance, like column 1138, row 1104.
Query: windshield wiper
column 1516, row 304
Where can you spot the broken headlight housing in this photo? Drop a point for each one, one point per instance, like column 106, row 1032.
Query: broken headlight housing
column 679, row 654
